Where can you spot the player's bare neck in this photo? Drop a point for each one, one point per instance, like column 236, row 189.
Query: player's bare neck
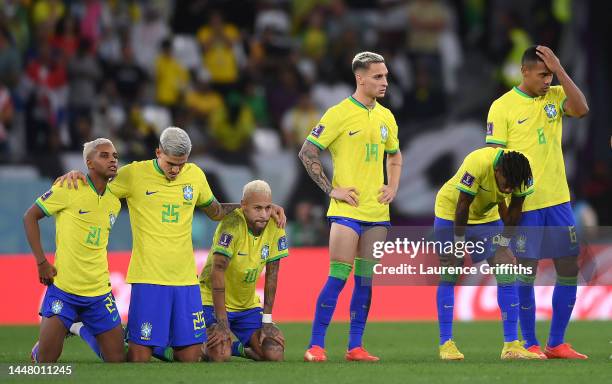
column 368, row 102
column 98, row 182
column 253, row 231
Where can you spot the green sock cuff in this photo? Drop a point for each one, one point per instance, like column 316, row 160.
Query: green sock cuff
column 241, row 350
column 526, row 279
column 364, row 267
column 340, row 270
column 505, row 278
column 447, row 277
column 169, row 354
column 569, row 281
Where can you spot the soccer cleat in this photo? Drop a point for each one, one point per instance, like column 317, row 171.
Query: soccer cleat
column 315, row 354
column 359, row 354
column 537, row 350
column 563, row 351
column 449, row 351
column 514, row 350
column 34, row 354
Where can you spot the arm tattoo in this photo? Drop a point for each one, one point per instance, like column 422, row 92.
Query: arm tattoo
column 270, row 287
column 217, row 211
column 309, row 154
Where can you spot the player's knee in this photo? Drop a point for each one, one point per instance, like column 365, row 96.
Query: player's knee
column 567, row 266
column 271, row 350
column 530, row 264
column 117, row 357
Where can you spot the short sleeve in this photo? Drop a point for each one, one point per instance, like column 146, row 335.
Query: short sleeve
column 560, row 98
column 497, row 126
column 524, row 190
column 54, row 200
column 206, row 197
column 470, row 175
column 226, row 236
column 326, row 131
column 280, row 248
column 392, row 143
column 121, row 185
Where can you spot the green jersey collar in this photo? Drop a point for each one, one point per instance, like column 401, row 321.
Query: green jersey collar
column 359, row 104
column 517, row 90
column 157, row 168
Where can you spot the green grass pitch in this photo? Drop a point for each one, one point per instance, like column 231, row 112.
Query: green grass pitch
column 408, row 354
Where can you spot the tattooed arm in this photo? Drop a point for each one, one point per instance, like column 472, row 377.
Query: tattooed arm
column 309, row 155
column 220, row 331
column 217, row 211
column 269, row 329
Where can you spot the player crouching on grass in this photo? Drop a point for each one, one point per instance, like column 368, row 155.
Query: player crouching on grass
column 465, row 210
column 78, row 283
column 244, row 243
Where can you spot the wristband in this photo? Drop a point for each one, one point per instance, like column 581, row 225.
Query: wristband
column 267, row 318
column 504, row 241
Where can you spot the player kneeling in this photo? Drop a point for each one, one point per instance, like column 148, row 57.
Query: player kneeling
column 244, row 243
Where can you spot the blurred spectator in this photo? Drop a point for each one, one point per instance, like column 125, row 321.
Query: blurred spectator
column 48, row 12
column 255, row 98
column 299, row 121
column 6, row 117
column 65, row 40
column 129, row 78
column 282, row 93
column 147, row 35
column 202, row 99
column 219, row 41
column 425, row 100
column 308, row 228
column 10, row 60
column 84, row 73
column 91, row 20
column 15, row 15
column 314, row 40
column 232, row 127
column 171, row 78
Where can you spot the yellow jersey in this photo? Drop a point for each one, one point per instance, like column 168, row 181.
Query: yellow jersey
column 356, row 138
column 533, row 126
column 161, row 215
column 476, row 177
column 83, row 221
column 248, row 255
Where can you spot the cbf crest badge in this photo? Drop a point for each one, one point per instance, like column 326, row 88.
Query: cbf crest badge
column 188, row 192
column 56, row 306
column 551, row 111
column 384, row 133
column 521, row 243
column 112, row 218
column 265, row 252
column 145, row 331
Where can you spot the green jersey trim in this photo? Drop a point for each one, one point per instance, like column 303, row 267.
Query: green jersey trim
column 91, row 184
column 466, row 191
column 391, row 151
column 222, row 251
column 522, row 194
column 207, row 203
column 321, row 147
column 495, row 141
column 517, row 90
column 497, row 157
column 358, row 103
column 563, row 106
column 42, row 208
column 277, row 257
column 157, row 168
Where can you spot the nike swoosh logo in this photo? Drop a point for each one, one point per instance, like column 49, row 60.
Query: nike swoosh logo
column 150, row 193
column 483, row 189
column 115, row 317
column 241, row 254
column 514, row 305
column 199, row 334
column 351, row 133
column 326, row 306
column 525, row 308
column 81, row 212
column 447, row 306
column 522, row 121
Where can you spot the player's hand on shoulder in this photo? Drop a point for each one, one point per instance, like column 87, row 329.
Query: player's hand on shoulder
column 46, row 273
column 271, row 331
column 71, row 179
column 278, row 214
column 386, row 194
column 349, row 195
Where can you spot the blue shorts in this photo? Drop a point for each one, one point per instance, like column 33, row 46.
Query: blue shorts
column 547, row 233
column 98, row 313
column 242, row 324
column 444, row 230
column 357, row 225
column 165, row 315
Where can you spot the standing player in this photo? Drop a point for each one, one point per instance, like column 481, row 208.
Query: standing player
column 358, row 132
column 528, row 119
column 466, row 209
column 244, row 243
column 165, row 307
column 78, row 283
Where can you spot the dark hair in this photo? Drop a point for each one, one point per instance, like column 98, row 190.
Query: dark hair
column 530, row 56
column 516, row 169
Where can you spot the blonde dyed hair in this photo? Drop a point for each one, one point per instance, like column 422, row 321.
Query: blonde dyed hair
column 90, row 147
column 256, row 186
